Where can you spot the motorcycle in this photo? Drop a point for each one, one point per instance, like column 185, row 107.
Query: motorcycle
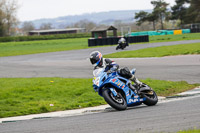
column 118, row 91
column 121, row 45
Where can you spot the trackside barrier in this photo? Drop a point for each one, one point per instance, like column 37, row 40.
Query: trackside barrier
column 163, row 32
column 114, row 40
column 195, row 30
column 177, row 32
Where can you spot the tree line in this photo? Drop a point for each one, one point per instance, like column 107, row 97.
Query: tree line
column 186, row 11
column 8, row 20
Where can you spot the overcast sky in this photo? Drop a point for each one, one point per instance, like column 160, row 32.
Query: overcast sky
column 36, row 9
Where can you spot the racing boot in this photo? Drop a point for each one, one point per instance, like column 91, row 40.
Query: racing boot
column 136, row 81
column 132, row 87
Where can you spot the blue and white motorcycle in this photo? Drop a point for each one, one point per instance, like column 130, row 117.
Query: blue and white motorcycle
column 118, row 91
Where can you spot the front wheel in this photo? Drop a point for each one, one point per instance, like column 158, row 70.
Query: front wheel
column 118, row 102
column 117, row 47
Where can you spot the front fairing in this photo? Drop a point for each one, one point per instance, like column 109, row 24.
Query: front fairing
column 99, row 78
column 113, row 80
column 131, row 97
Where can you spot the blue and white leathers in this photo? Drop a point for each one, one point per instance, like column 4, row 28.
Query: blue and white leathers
column 116, row 84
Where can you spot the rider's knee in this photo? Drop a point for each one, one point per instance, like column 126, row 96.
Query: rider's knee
column 125, row 72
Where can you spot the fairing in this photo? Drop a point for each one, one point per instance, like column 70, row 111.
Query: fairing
column 113, row 81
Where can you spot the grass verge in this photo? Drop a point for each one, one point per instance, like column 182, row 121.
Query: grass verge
column 167, row 38
column 190, row 131
column 23, row 96
column 182, row 49
column 44, row 46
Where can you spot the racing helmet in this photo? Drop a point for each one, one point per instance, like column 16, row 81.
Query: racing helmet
column 96, row 58
column 122, row 40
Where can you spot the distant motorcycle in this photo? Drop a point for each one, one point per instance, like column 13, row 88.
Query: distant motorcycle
column 119, row 93
column 121, row 44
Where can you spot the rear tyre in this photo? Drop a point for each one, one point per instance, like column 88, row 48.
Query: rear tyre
column 118, row 102
column 123, row 46
column 151, row 98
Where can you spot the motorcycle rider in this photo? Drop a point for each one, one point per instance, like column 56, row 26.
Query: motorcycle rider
column 122, row 41
column 97, row 60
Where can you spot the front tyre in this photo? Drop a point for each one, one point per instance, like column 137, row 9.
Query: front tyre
column 117, row 47
column 118, row 102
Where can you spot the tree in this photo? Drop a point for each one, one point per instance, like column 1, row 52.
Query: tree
column 152, row 17
column 193, row 12
column 8, row 20
column 160, row 9
column 143, row 16
column 46, row 26
column 179, row 10
column 159, row 13
column 27, row 26
column 2, row 19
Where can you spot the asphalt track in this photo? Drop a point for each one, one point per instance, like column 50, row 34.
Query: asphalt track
column 165, row 117
column 169, row 116
column 75, row 64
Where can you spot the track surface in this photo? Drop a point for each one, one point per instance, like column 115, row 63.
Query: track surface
column 76, row 64
column 164, row 117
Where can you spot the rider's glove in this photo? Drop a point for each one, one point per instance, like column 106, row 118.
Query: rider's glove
column 109, row 71
column 113, row 68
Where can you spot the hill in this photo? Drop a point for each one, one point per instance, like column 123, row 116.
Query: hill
column 109, row 17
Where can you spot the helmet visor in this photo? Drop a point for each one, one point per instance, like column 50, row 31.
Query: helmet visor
column 93, row 61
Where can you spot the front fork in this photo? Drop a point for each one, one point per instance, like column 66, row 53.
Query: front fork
column 113, row 92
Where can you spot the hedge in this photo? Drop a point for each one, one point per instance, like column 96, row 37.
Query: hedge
column 43, row 37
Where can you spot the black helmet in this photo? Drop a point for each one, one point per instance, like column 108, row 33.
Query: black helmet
column 96, row 58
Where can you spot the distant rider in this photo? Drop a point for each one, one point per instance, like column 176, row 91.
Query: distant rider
column 122, row 41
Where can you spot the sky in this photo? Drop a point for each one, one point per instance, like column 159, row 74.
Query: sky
column 37, row 9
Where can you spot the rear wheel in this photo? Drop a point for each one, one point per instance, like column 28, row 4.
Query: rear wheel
column 118, row 102
column 123, row 46
column 148, row 93
column 151, row 97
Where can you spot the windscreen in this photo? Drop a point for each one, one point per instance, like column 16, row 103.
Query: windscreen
column 97, row 72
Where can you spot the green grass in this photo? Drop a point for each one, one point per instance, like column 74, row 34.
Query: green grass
column 166, row 38
column 169, row 88
column 23, row 96
column 190, row 131
column 32, row 47
column 182, row 49
column 44, row 46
